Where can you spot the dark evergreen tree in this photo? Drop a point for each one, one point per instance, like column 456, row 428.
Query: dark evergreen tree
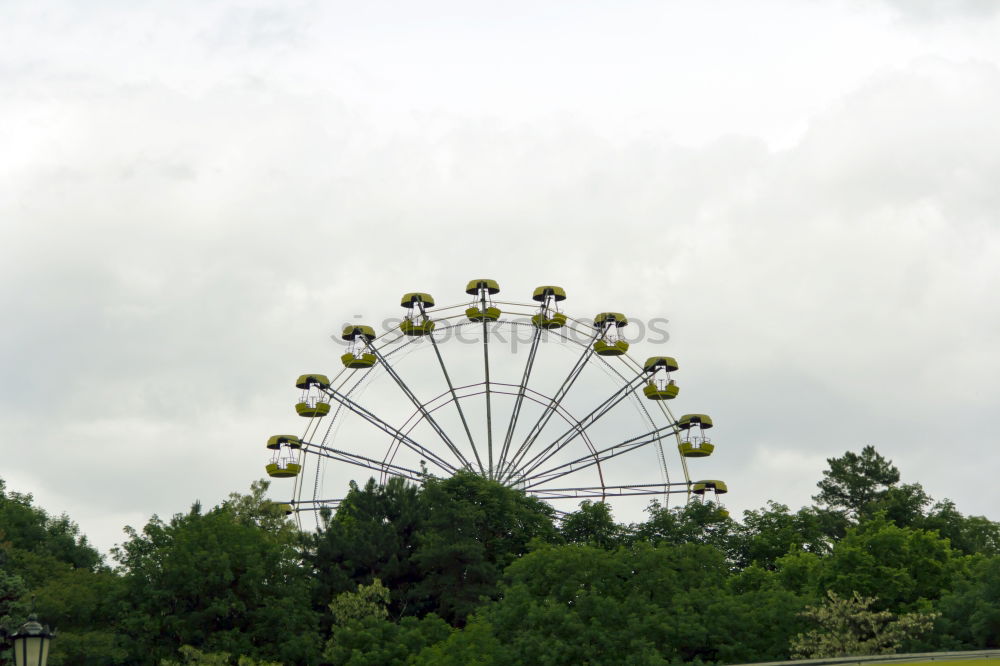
column 853, row 481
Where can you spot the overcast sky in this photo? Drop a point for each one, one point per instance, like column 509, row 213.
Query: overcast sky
column 195, row 195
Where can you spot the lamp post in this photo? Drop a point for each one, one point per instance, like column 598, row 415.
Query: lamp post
column 31, row 643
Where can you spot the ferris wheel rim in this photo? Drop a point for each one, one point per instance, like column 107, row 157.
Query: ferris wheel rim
column 520, row 470
column 554, row 401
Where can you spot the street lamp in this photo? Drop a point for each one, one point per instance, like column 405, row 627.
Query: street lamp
column 31, row 643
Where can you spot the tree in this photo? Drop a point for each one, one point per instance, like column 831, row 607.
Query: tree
column 904, row 505
column 47, row 558
column 772, row 532
column 592, row 524
column 475, row 645
column 218, row 581
column 583, row 604
column 899, row 565
column 362, row 634
column 86, row 608
column 968, row 534
column 372, row 535
column 472, row 529
column 853, row 481
column 971, row 609
column 13, row 611
column 27, row 528
column 695, row 523
column 848, row 627
column 368, row 601
column 754, row 617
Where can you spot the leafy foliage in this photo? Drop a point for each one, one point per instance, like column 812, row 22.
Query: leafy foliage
column 466, row 571
column 899, row 565
column 849, row 627
column 224, row 581
column 362, row 635
column 193, row 657
column 854, row 481
column 368, row 602
column 592, row 524
column 473, row 529
column 27, row 529
column 971, row 609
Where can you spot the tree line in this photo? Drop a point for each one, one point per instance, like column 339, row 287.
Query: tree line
column 465, row 571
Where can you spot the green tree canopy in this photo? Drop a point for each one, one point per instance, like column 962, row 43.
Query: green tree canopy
column 592, row 523
column 372, row 535
column 30, row 529
column 220, row 582
column 855, row 480
column 473, row 528
column 899, row 565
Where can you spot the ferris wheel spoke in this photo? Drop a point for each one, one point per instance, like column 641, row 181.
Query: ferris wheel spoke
column 315, row 505
column 486, row 372
column 420, row 407
column 363, row 461
column 519, row 400
column 458, row 405
column 587, row 421
column 598, row 457
column 599, row 492
column 556, row 400
column 388, row 429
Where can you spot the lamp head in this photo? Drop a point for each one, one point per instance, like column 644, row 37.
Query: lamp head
column 31, row 643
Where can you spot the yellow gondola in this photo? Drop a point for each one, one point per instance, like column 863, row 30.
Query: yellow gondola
column 365, row 360
column 311, row 411
column 288, row 471
column 490, row 286
column 545, row 291
column 355, row 331
column 291, row 441
column 477, row 314
column 305, row 381
column 605, row 348
column 411, row 299
column 415, row 328
column 654, row 391
column 605, row 318
column 362, row 360
column 654, row 363
column 691, row 420
column 555, row 320
column 696, row 449
column 700, row 487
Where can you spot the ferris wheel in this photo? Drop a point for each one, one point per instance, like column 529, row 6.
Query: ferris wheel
column 520, row 393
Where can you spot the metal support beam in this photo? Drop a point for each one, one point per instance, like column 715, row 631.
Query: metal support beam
column 486, row 366
column 388, row 429
column 587, row 421
column 362, row 461
column 420, row 407
column 596, row 492
column 600, row 456
column 458, row 405
column 519, row 400
column 546, row 415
